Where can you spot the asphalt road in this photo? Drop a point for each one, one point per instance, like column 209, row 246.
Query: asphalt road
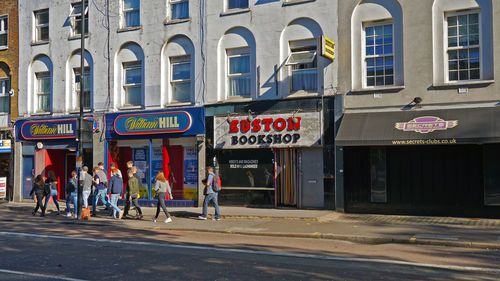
column 38, row 256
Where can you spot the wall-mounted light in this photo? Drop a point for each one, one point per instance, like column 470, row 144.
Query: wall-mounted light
column 250, row 115
column 417, row 100
column 11, row 92
column 295, row 120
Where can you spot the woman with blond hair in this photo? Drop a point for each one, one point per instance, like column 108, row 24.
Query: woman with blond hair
column 162, row 187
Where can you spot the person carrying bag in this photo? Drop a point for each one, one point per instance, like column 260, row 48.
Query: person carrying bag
column 162, row 187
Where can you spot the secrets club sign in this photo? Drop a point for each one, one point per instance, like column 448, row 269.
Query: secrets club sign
column 270, row 130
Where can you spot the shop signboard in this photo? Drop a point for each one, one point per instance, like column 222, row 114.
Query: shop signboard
column 3, row 187
column 327, row 48
column 48, row 129
column 5, row 146
column 268, row 131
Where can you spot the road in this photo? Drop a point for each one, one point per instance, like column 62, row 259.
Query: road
column 49, row 250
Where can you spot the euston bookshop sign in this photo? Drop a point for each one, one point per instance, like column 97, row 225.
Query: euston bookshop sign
column 268, row 131
column 153, row 123
column 48, row 129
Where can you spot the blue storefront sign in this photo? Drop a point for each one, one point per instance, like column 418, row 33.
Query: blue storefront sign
column 54, row 129
column 5, row 146
column 173, row 123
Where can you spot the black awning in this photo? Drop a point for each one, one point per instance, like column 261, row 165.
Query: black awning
column 421, row 127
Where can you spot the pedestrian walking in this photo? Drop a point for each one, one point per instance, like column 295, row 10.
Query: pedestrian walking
column 162, row 187
column 132, row 193
column 51, row 183
column 103, row 177
column 86, row 181
column 71, row 196
column 116, row 188
column 39, row 190
column 210, row 195
column 112, row 166
column 100, row 190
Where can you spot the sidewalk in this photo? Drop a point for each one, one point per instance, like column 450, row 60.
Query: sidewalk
column 318, row 224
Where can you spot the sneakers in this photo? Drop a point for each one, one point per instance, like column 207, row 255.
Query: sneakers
column 202, row 218
column 75, row 216
column 216, row 219
column 154, row 219
column 68, row 215
column 120, row 215
column 168, row 220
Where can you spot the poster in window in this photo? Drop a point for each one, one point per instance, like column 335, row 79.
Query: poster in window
column 190, row 167
column 140, row 161
column 247, row 168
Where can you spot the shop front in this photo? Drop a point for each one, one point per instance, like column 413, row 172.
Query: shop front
column 271, row 159
column 162, row 140
column 48, row 145
column 432, row 162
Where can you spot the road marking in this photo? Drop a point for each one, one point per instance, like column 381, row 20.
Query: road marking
column 257, row 252
column 435, row 236
column 39, row 275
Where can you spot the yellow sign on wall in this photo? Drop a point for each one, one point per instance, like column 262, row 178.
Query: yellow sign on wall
column 327, row 48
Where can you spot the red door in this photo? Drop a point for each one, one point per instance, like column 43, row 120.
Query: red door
column 176, row 155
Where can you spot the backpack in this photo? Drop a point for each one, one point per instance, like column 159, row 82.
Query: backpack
column 46, row 188
column 216, row 186
column 70, row 187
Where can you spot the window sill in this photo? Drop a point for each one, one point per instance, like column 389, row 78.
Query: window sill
column 236, row 99
column 36, row 43
column 302, row 93
column 41, row 113
column 77, row 111
column 463, row 84
column 75, row 37
column 378, row 89
column 173, row 104
column 170, row 21
column 235, row 12
column 2, row 48
column 130, row 107
column 132, row 28
column 295, row 2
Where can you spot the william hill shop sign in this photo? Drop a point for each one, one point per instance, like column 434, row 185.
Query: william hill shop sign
column 268, row 131
column 48, row 129
column 153, row 123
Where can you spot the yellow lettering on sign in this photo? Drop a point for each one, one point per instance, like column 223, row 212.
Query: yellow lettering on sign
column 327, row 48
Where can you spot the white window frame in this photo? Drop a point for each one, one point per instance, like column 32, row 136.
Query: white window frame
column 38, row 26
column 171, row 4
column 4, row 29
column 301, row 47
column 4, row 92
column 365, row 57
column 174, row 61
column 233, row 9
column 74, row 17
column 446, row 48
column 39, row 76
column 232, row 53
column 128, row 66
column 129, row 10
column 76, row 87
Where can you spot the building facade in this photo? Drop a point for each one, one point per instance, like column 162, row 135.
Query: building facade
column 141, row 87
column 419, row 132
column 8, row 93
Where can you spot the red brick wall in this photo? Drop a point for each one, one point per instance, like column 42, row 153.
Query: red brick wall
column 10, row 56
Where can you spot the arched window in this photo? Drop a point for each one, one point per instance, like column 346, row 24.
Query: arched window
column 129, row 77
column 41, row 86
column 4, row 88
column 178, row 70
column 73, row 81
column 377, row 45
column 237, row 65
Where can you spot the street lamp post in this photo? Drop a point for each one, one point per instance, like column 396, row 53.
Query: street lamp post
column 80, row 120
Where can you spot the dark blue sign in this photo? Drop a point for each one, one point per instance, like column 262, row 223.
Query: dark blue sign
column 95, row 126
column 47, row 129
column 184, row 122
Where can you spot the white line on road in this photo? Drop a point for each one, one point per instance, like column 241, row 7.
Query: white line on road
column 258, row 252
column 39, row 275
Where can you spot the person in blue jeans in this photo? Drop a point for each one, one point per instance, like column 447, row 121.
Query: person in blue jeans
column 72, row 196
column 100, row 191
column 52, row 182
column 210, row 196
column 116, row 188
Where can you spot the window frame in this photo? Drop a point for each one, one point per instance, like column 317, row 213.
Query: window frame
column 364, row 56
column 183, row 59
column 298, row 47
column 5, row 92
column 233, row 53
column 129, row 66
column 74, row 18
column 236, row 9
column 129, row 10
column 4, row 30
column 171, row 4
column 39, row 76
column 447, row 48
column 39, row 27
column 76, row 87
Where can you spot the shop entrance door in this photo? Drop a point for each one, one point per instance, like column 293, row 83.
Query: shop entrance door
column 287, row 176
column 176, row 155
column 28, row 174
column 311, row 175
column 70, row 165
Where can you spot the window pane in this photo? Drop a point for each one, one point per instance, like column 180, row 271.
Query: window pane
column 389, row 80
column 379, row 50
column 133, row 76
column 464, row 75
column 388, row 60
column 463, row 41
column 77, row 9
column 44, row 33
column 239, row 65
column 379, row 71
column 131, row 4
column 452, row 21
column 180, row 10
column 462, row 30
column 370, row 62
column 452, row 55
column 379, row 61
column 380, row 81
column 452, row 31
column 369, row 31
column 452, row 42
column 387, row 49
column 370, row 71
column 43, row 17
column 474, row 63
column 132, row 18
column 181, row 92
column 181, row 71
column 370, row 81
column 462, row 20
column 388, row 39
column 379, row 30
column 474, row 29
column 463, row 54
column 370, row 51
column 389, row 70
column 379, row 40
column 453, row 65
column 304, row 80
column 453, row 75
column 474, row 52
column 86, row 99
column 463, row 64
column 133, row 95
column 474, row 40
column 370, row 41
column 388, row 29
column 237, row 4
column 474, row 74
column 240, row 86
column 44, row 85
column 44, row 102
column 4, row 104
column 473, row 18
column 3, row 39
